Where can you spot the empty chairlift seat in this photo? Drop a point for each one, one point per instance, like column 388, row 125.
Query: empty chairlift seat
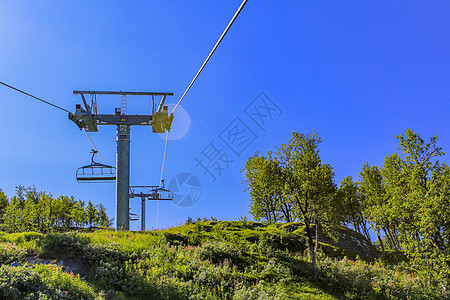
column 96, row 172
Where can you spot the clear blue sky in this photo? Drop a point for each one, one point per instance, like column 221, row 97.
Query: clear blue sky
column 356, row 72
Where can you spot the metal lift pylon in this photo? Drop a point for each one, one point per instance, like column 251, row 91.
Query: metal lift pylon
column 88, row 119
column 149, row 193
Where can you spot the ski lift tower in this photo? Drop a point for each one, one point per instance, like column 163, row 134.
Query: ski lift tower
column 87, row 118
column 150, row 193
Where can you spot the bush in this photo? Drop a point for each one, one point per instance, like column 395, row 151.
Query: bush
column 363, row 280
column 230, row 264
column 217, row 252
column 70, row 285
column 41, row 282
column 259, row 291
column 269, row 244
column 63, row 245
column 175, row 239
column 10, row 253
column 393, row 257
column 275, row 270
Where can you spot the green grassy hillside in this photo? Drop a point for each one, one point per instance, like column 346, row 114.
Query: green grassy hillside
column 201, row 260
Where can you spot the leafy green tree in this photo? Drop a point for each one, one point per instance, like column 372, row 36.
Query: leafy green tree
column 351, row 206
column 409, row 199
column 417, row 186
column 40, row 211
column 102, row 217
column 20, row 195
column 16, row 216
column 91, row 214
column 30, row 216
column 12, row 216
column 3, row 205
column 50, row 212
column 293, row 184
column 265, row 182
column 63, row 211
column 78, row 213
column 309, row 185
column 375, row 205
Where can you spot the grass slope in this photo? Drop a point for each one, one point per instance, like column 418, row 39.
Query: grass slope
column 202, row 260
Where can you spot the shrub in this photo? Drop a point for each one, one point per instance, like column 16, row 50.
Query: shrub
column 275, row 270
column 259, row 291
column 270, row 244
column 363, row 280
column 63, row 245
column 393, row 257
column 41, row 282
column 217, row 252
column 69, row 284
column 175, row 239
column 10, row 253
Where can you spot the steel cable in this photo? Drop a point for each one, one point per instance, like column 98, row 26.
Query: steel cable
column 56, row 106
column 162, row 172
column 212, row 52
column 46, row 102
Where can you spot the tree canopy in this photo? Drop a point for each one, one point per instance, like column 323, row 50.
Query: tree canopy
column 405, row 201
column 30, row 210
column 408, row 198
column 291, row 184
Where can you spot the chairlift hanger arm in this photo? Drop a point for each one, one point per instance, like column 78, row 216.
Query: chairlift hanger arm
column 161, row 104
column 88, row 108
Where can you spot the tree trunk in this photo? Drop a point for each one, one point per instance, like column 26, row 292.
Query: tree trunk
column 379, row 239
column 317, row 237
column 366, row 231
column 286, row 212
column 388, row 237
column 312, row 251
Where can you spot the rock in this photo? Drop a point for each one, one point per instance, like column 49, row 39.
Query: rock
column 352, row 242
column 77, row 266
column 15, row 264
column 35, row 261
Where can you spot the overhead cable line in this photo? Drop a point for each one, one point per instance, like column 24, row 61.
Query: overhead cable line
column 164, row 157
column 46, row 102
column 190, row 85
column 213, row 50
column 162, row 172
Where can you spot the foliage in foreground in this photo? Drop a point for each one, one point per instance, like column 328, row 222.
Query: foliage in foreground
column 204, row 260
column 42, row 282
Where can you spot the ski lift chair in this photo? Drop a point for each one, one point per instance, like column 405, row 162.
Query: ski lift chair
column 96, row 172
